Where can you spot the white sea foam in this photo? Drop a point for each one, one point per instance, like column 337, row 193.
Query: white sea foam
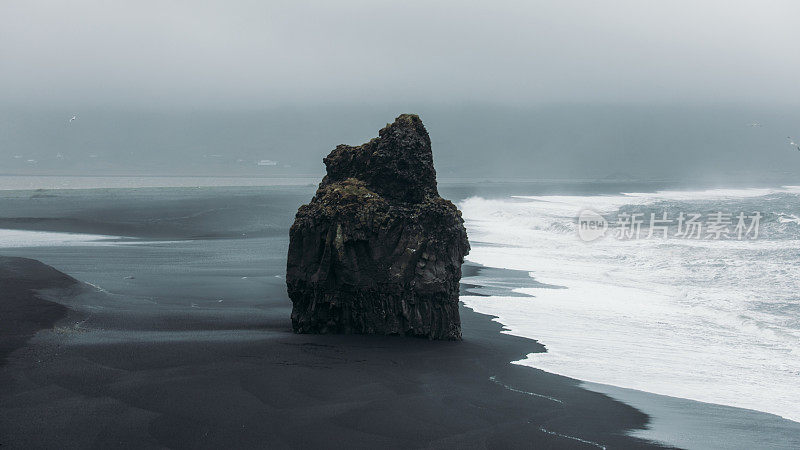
column 26, row 238
column 713, row 321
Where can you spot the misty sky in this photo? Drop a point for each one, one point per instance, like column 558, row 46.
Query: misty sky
column 256, row 53
column 529, row 89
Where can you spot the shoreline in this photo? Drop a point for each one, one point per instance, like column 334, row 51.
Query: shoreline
column 206, row 316
column 672, row 421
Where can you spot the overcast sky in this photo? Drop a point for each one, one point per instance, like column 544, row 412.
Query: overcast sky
column 257, row 53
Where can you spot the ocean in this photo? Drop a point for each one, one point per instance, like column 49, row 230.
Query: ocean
column 703, row 318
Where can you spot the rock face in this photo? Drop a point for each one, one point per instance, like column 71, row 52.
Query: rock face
column 377, row 251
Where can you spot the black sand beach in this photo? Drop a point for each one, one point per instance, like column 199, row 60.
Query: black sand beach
column 184, row 342
column 23, row 312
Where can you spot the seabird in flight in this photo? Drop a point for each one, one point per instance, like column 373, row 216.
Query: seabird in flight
column 793, row 143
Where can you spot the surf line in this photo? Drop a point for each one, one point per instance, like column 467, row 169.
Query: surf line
column 566, row 436
column 494, row 379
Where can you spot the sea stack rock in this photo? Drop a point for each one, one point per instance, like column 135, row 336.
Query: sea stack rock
column 378, row 251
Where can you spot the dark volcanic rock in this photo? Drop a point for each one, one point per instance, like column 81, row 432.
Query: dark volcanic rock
column 377, row 251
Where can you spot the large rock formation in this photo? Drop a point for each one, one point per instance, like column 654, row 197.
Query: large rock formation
column 377, row 251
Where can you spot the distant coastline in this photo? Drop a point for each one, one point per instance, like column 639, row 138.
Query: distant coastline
column 33, row 182
column 22, row 182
